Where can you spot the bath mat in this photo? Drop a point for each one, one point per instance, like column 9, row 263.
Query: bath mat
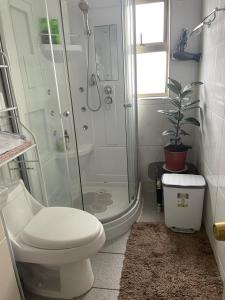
column 162, row 265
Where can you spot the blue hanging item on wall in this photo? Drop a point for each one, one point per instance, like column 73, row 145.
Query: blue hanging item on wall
column 180, row 53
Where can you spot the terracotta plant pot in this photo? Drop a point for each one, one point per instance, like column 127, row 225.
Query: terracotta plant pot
column 175, row 161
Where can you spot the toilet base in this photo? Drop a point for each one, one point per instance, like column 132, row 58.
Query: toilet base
column 61, row 282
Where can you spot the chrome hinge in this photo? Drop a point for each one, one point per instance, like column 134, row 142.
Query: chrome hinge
column 128, row 105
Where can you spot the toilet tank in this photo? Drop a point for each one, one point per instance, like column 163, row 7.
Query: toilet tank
column 19, row 208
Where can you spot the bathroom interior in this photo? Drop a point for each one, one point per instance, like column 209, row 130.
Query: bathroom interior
column 84, row 90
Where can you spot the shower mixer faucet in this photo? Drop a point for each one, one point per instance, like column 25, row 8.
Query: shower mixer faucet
column 108, row 90
column 108, row 100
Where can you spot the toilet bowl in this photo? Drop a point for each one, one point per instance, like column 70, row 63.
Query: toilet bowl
column 52, row 245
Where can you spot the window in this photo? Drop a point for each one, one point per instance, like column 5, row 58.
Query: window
column 152, row 47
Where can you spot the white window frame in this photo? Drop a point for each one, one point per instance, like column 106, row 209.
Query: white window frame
column 157, row 47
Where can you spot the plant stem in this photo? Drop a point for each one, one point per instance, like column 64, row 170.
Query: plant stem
column 178, row 122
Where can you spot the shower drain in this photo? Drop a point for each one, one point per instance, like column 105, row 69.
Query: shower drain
column 100, row 192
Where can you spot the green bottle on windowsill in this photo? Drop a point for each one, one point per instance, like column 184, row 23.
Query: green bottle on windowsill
column 54, row 26
column 43, row 23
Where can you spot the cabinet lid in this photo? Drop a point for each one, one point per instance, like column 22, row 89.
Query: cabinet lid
column 183, row 180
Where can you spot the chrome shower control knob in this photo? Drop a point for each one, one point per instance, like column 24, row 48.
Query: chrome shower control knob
column 108, row 90
column 108, row 100
column 66, row 113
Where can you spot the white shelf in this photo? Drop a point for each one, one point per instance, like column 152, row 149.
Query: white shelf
column 74, row 48
column 8, row 109
column 69, row 48
column 15, row 155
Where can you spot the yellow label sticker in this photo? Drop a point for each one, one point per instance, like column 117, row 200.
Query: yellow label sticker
column 182, row 203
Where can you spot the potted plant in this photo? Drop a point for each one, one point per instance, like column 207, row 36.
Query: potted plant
column 182, row 100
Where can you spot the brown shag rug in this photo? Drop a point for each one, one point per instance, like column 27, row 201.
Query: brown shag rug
column 162, row 265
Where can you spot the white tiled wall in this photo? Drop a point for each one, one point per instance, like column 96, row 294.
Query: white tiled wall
column 184, row 14
column 211, row 138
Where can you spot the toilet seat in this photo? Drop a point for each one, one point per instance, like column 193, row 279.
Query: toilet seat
column 58, row 228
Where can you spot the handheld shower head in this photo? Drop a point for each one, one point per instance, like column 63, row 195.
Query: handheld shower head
column 83, row 5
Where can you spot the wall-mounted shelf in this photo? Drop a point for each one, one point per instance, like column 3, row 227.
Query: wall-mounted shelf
column 12, row 154
column 8, row 108
column 74, row 48
column 69, row 48
column 185, row 60
column 58, row 51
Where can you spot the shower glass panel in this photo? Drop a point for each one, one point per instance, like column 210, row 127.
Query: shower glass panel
column 70, row 170
column 34, row 40
column 97, row 76
column 85, row 122
column 129, row 44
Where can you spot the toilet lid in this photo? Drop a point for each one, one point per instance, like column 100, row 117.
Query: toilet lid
column 60, row 228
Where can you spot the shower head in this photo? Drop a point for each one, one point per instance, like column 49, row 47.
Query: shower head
column 83, row 5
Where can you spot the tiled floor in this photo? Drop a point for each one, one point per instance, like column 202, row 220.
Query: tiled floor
column 150, row 212
column 107, row 265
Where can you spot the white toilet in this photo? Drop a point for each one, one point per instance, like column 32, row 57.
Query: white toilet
column 52, row 245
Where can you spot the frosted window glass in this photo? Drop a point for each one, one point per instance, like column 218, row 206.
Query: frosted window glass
column 150, row 22
column 151, row 72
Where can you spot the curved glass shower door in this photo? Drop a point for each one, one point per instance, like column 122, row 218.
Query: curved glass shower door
column 100, row 88
column 97, row 86
column 33, row 38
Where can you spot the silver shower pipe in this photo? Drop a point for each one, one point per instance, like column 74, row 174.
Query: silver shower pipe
column 206, row 21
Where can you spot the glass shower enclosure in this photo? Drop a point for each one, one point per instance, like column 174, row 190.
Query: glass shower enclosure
column 73, row 69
